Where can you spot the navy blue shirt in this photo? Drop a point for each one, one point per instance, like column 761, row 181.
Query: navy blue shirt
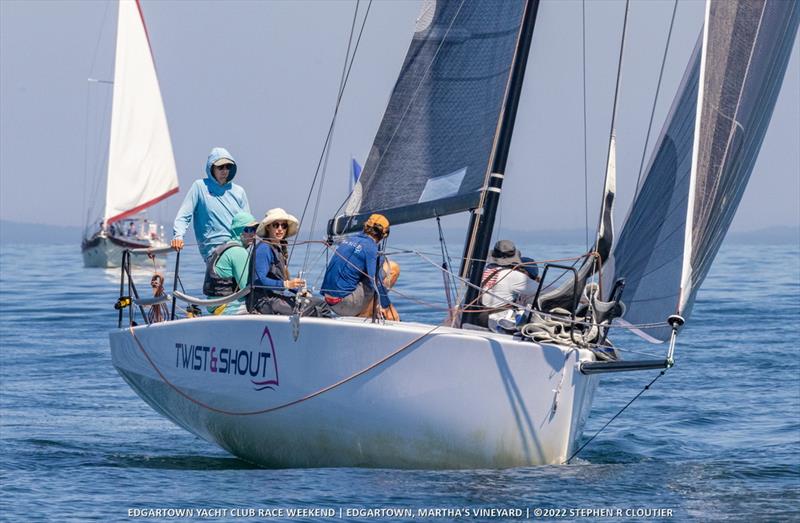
column 264, row 259
column 356, row 258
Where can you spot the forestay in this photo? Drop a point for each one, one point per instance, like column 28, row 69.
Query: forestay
column 703, row 159
column 431, row 154
column 141, row 165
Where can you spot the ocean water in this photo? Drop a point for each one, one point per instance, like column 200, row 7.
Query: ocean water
column 716, row 438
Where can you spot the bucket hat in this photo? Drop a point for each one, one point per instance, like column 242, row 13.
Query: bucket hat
column 242, row 220
column 505, row 253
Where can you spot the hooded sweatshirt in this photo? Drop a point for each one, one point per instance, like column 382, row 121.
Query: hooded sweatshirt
column 211, row 206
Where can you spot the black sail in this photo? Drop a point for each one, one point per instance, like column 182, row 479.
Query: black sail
column 432, row 150
column 703, row 159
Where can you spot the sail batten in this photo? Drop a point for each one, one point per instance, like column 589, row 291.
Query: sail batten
column 704, row 158
column 141, row 164
column 432, row 151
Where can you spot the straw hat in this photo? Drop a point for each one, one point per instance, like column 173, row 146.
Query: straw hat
column 278, row 215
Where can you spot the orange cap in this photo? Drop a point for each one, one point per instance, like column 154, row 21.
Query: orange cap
column 378, row 222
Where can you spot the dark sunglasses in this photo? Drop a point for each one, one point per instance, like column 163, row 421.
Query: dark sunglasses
column 281, row 225
column 226, row 167
column 249, row 229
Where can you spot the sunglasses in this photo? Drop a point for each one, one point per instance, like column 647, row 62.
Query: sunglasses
column 226, row 167
column 279, row 225
column 249, row 229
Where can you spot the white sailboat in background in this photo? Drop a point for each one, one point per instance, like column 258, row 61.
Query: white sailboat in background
column 309, row 392
column 141, row 165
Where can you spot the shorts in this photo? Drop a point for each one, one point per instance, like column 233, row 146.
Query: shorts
column 353, row 303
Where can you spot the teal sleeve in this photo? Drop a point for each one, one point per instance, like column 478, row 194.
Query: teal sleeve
column 233, row 264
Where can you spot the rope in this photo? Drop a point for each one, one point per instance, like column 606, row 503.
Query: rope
column 550, row 330
column 646, row 387
column 326, row 146
column 283, row 405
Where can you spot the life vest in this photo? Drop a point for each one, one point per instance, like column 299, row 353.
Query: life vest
column 277, row 270
column 214, row 284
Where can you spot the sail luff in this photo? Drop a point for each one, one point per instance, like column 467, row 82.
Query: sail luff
column 686, row 270
column 605, row 223
column 431, row 152
column 480, row 237
column 704, row 158
column 141, row 165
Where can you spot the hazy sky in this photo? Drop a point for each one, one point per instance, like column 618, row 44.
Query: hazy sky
column 260, row 78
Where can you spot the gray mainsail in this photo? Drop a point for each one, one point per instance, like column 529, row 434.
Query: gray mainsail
column 703, row 159
column 433, row 147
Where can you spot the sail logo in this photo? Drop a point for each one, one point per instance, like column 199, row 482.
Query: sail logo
column 260, row 365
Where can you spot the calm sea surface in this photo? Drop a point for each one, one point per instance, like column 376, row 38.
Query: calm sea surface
column 716, row 438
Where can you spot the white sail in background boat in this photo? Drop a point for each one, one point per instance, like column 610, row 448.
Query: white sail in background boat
column 305, row 392
column 141, row 164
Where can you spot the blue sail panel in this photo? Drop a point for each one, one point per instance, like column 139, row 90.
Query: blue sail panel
column 433, row 147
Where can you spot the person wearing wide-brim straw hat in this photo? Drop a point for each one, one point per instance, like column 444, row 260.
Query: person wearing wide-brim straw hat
column 271, row 268
column 507, row 279
column 278, row 215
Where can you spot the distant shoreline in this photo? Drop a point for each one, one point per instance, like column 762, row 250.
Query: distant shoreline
column 30, row 233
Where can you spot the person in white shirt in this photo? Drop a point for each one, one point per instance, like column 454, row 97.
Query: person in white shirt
column 507, row 279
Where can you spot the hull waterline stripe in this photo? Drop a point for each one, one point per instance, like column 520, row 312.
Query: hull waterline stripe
column 283, row 405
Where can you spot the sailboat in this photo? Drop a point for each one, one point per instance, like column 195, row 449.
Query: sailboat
column 283, row 391
column 141, row 165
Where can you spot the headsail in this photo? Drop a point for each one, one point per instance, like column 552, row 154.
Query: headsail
column 141, row 166
column 703, row 158
column 433, row 147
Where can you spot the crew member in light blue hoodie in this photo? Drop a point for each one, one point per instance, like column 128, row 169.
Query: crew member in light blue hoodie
column 211, row 203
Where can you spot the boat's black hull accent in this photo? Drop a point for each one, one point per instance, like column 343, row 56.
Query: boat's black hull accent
column 602, row 367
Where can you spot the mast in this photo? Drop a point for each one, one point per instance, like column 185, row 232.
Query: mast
column 479, row 233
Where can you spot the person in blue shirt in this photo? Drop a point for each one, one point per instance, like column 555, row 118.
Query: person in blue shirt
column 354, row 275
column 271, row 265
column 211, row 204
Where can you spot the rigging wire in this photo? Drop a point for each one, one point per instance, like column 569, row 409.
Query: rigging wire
column 585, row 153
column 86, row 124
column 100, row 168
column 646, row 388
column 655, row 98
column 326, row 147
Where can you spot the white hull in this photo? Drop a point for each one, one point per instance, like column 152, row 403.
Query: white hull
column 102, row 251
column 452, row 399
